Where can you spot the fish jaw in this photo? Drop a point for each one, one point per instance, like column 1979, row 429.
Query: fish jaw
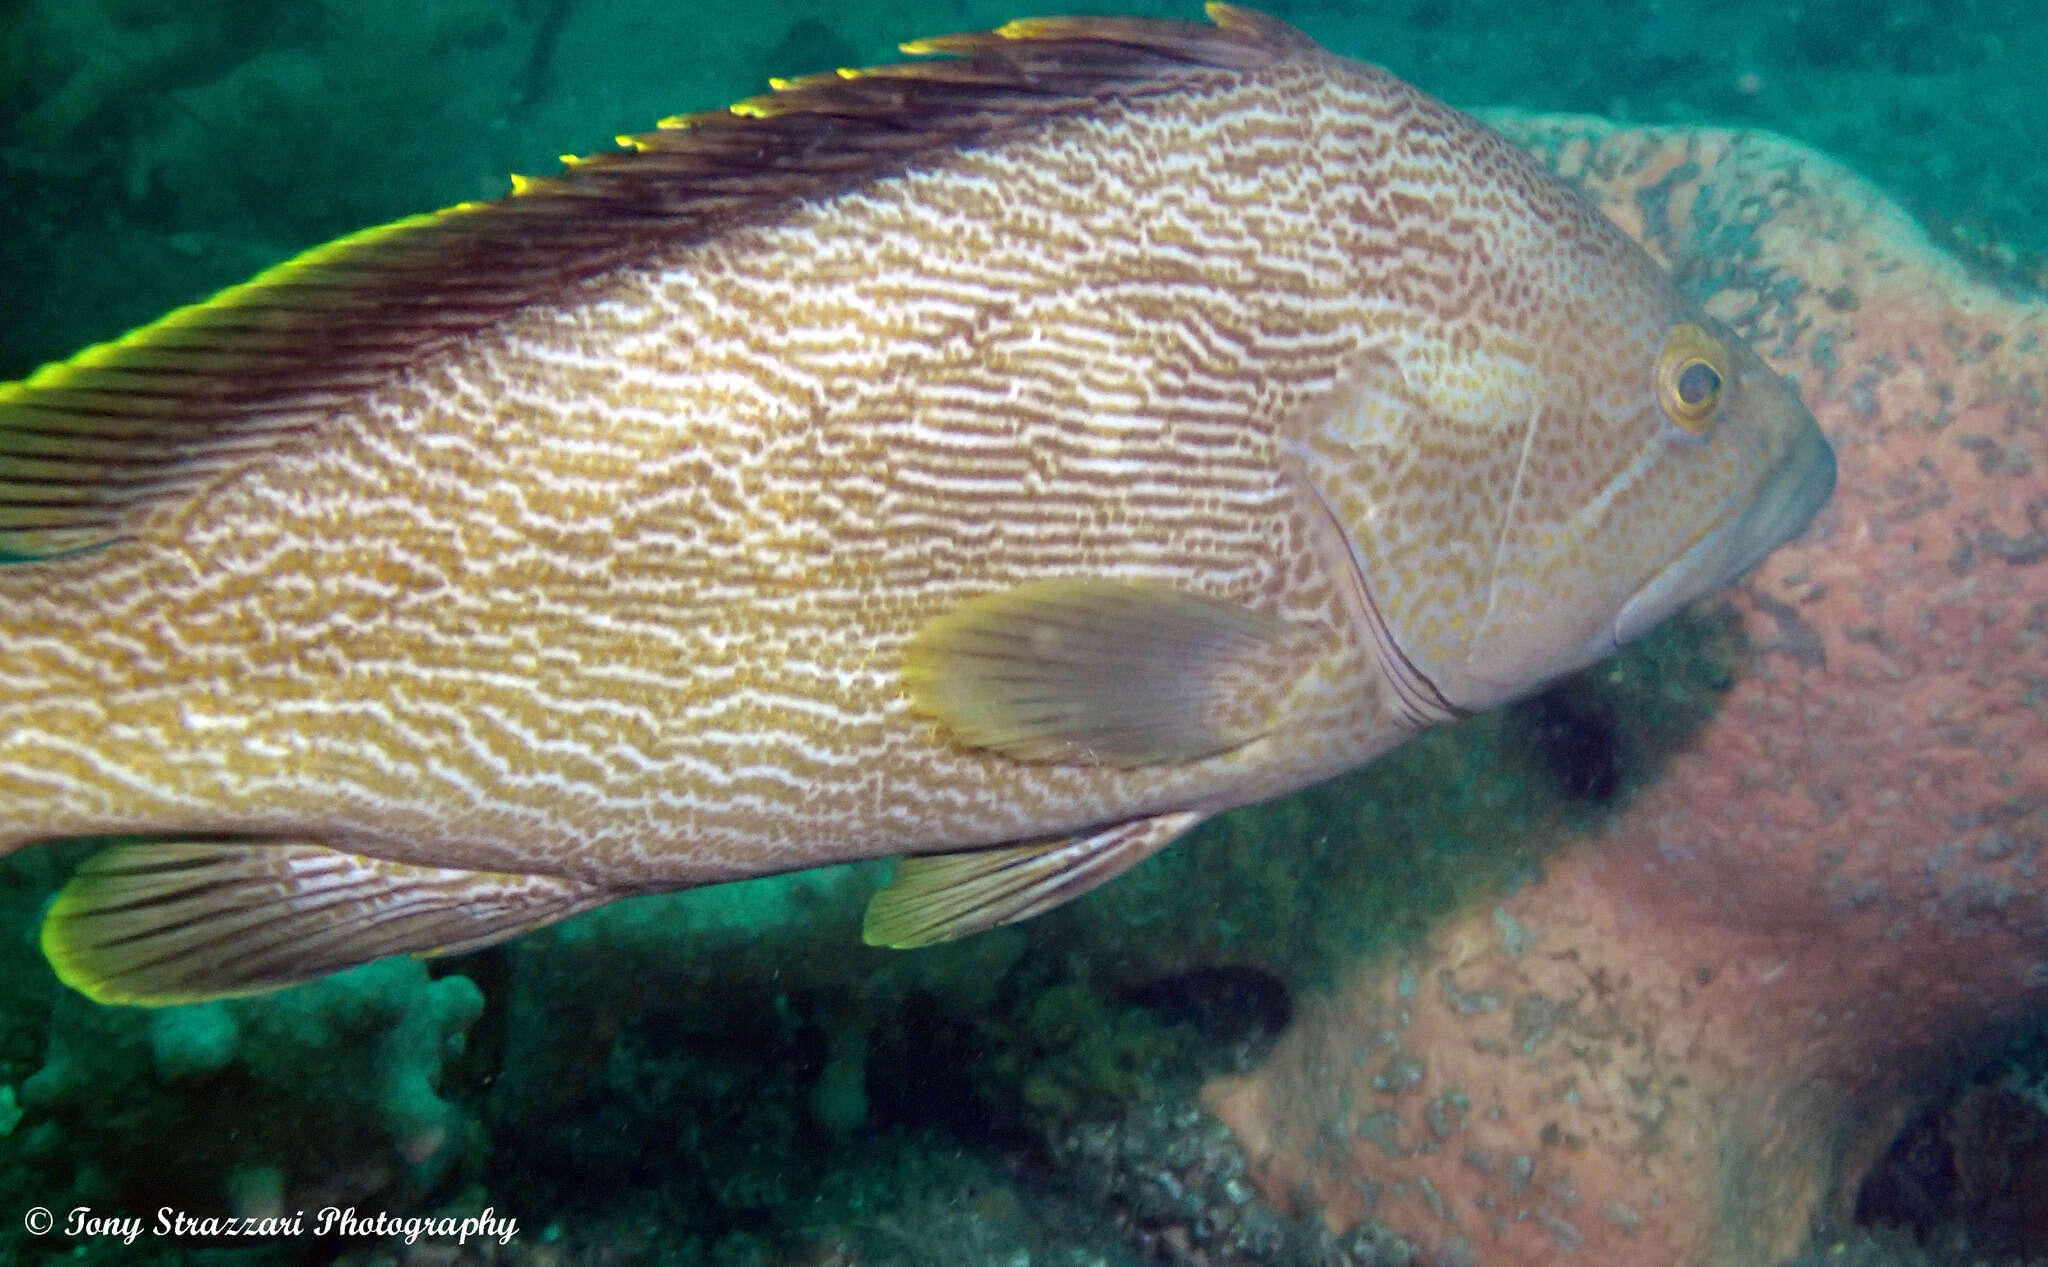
column 1795, row 491
column 1754, row 519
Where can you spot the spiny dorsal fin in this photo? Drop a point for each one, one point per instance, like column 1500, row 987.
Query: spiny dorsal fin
column 89, row 444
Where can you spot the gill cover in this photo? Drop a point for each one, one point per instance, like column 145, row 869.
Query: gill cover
column 1516, row 508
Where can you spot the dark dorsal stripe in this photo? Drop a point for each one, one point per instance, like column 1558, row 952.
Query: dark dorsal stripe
column 87, row 443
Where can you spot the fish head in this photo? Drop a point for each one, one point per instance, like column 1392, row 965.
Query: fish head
column 1521, row 497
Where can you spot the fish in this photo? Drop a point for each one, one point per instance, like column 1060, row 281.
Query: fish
column 1000, row 461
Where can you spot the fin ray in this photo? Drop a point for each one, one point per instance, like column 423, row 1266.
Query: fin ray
column 1104, row 672
column 942, row 897
column 180, row 921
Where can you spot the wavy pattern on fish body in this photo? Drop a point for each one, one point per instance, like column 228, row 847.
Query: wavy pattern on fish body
column 621, row 584
column 618, row 587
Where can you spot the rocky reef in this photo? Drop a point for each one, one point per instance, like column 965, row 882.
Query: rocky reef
column 1689, row 1041
column 1716, row 954
column 333, row 1092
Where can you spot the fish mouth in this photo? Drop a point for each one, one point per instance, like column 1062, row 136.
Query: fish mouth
column 1787, row 501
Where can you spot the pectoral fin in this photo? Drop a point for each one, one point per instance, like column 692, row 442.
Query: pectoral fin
column 159, row 923
column 941, row 897
column 1105, row 672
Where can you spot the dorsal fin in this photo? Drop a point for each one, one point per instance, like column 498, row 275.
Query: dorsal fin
column 88, row 444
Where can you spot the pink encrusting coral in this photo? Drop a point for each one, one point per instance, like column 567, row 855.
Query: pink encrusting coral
column 1688, row 1040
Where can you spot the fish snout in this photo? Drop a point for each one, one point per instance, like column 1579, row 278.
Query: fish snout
column 1790, row 495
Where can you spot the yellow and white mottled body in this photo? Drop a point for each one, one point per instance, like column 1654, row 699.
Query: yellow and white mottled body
column 1255, row 401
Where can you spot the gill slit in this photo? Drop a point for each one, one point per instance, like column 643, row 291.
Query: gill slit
column 1417, row 698
column 1421, row 702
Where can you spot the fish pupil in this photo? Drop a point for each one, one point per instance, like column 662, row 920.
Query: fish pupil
column 1698, row 384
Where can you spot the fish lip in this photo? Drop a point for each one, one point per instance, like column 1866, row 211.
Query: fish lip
column 1801, row 483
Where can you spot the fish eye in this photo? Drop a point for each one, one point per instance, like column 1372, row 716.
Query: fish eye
column 1698, row 384
column 1691, row 374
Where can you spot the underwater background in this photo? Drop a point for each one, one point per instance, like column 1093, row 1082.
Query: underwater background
column 728, row 1076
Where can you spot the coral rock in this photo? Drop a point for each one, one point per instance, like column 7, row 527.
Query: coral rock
column 1686, row 1042
column 329, row 1093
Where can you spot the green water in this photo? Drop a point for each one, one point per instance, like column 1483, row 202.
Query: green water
column 750, row 1100
column 151, row 150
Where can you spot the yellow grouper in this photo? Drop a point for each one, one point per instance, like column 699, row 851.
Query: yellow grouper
column 1005, row 460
